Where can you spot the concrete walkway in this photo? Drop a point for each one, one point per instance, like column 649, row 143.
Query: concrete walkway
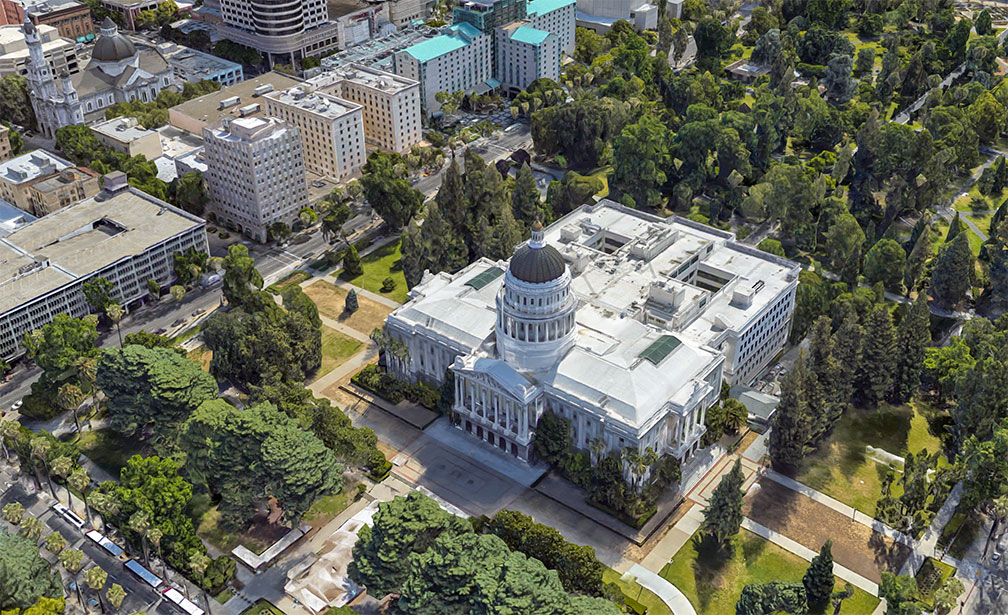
column 842, row 508
column 807, row 554
column 345, row 369
column 668, row 593
column 345, row 330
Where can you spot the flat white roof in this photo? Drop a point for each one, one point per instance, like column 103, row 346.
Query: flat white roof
column 32, row 165
column 315, row 103
column 123, row 129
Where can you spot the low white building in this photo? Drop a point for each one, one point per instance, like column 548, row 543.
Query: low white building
column 459, row 60
column 331, row 129
column 600, row 15
column 255, row 174
column 126, row 136
column 192, row 65
column 623, row 322
column 122, row 234
column 390, row 104
column 60, row 53
column 525, row 54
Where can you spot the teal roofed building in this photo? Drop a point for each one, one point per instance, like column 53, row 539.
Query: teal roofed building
column 457, row 60
column 524, row 54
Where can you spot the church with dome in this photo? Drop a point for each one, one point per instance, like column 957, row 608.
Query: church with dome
column 623, row 322
column 118, row 72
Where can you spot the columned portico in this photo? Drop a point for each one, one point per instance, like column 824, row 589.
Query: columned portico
column 499, row 413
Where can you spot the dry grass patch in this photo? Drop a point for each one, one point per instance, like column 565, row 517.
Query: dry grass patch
column 331, row 301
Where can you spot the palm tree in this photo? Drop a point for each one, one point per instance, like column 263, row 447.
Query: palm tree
column 596, row 447
column 154, row 535
column 140, row 523
column 115, row 312
column 9, row 430
column 13, row 513
column 61, row 468
column 71, row 560
column 69, row 397
column 177, row 292
column 198, row 563
column 116, row 594
column 40, row 448
column 87, row 372
column 31, row 528
column 105, row 504
column 95, row 578
column 55, row 543
column 80, row 480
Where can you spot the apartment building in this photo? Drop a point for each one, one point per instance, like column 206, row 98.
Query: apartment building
column 126, row 136
column 390, row 104
column 70, row 17
column 331, row 129
column 5, row 145
column 525, row 54
column 192, row 65
column 556, row 16
column 121, row 234
column 255, row 174
column 58, row 52
column 18, row 174
column 62, row 190
column 459, row 59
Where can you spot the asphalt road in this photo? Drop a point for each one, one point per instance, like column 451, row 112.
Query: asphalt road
column 139, row 596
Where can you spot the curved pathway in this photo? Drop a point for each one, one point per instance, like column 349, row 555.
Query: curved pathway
column 668, row 593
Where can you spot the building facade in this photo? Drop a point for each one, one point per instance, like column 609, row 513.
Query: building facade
column 405, row 12
column 18, row 174
column 331, row 129
column 390, row 104
column 525, row 54
column 255, row 174
column 118, row 72
column 62, row 190
column 556, row 16
column 129, row 9
column 123, row 235
column 126, row 136
column 622, row 322
column 5, row 145
column 15, row 59
column 459, row 60
column 71, row 18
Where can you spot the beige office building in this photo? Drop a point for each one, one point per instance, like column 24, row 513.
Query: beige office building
column 60, row 53
column 5, row 145
column 332, row 130
column 255, row 174
column 126, row 136
column 61, row 190
column 391, row 104
column 18, row 174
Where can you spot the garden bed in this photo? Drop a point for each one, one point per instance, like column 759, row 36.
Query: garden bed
column 294, row 278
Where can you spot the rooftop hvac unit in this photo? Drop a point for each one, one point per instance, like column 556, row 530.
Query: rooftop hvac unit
column 229, row 102
column 249, row 109
column 262, row 89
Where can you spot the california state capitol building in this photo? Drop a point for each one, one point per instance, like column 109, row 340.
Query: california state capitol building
column 623, row 322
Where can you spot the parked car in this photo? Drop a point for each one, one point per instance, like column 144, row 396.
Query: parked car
column 16, row 405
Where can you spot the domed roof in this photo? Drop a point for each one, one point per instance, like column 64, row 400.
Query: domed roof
column 536, row 262
column 112, row 46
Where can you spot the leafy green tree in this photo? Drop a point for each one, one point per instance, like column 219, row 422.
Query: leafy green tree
column 982, row 25
column 865, row 61
column 953, row 271
column 987, row 115
column 580, row 571
column 885, row 262
column 57, row 345
column 387, row 191
column 151, row 340
column 15, row 104
column 839, row 81
column 26, row 576
column 147, row 386
column 573, row 191
column 189, row 193
column 772, row 597
column 552, row 437
column 947, row 595
column 54, row 543
column 767, row 48
column 640, row 157
column 916, row 261
column 401, row 527
column 878, row 357
column 96, row 577
column 723, row 515
column 258, row 452
column 13, row 512
column 843, row 243
column 900, row 593
column 526, row 202
column 583, row 130
column 242, row 281
column 713, row 41
column 818, row 579
column 98, row 293
column 115, row 594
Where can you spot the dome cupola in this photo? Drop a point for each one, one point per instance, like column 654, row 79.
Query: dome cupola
column 112, row 46
column 535, row 307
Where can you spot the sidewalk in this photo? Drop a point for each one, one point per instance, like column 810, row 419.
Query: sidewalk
column 668, row 593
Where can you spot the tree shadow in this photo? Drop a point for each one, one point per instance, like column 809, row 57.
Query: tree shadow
column 889, row 556
column 711, row 560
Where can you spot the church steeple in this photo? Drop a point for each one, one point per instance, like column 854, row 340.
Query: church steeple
column 40, row 76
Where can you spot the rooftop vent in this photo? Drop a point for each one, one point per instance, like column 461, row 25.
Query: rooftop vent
column 229, row 102
column 248, row 110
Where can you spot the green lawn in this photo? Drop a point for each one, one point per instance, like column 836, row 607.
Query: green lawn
column 294, row 278
column 336, row 348
column 841, row 468
column 327, row 507
column 107, row 449
column 713, row 582
column 634, row 591
column 210, row 528
column 263, row 607
column 384, row 262
column 188, row 333
column 224, row 596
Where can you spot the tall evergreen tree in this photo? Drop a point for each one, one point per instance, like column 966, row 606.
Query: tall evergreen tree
column 954, row 228
column 818, row 579
column 723, row 515
column 916, row 260
column 826, row 368
column 793, row 423
column 996, row 250
column 878, row 357
column 953, row 272
column 526, row 202
column 847, row 351
column 912, row 336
